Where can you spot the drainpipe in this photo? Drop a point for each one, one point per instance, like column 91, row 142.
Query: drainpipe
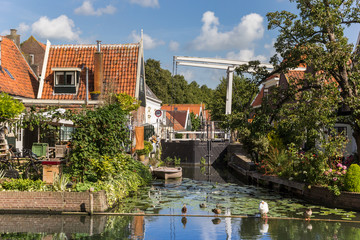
column 87, row 86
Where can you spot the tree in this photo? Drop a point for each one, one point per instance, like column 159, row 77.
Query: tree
column 195, row 122
column 100, row 132
column 158, row 80
column 315, row 38
column 244, row 90
column 9, row 108
column 174, row 89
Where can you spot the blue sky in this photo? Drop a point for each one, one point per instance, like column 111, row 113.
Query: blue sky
column 232, row 29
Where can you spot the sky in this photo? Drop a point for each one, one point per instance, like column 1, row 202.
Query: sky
column 230, row 29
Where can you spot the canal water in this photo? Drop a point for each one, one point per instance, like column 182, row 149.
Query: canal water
column 163, row 200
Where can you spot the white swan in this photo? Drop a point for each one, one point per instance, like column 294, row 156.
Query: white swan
column 263, row 208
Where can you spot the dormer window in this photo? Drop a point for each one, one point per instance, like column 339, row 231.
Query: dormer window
column 66, row 80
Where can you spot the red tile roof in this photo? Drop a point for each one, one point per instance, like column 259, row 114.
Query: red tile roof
column 25, row 83
column 290, row 75
column 194, row 108
column 120, row 63
column 258, row 99
column 173, row 121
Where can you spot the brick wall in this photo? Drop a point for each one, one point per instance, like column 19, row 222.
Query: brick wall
column 51, row 201
column 31, row 46
column 139, row 117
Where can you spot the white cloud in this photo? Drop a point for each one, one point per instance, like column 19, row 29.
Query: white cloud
column 149, row 42
column 87, row 9
column 245, row 55
column 188, row 75
column 23, row 28
column 146, row 3
column 57, row 28
column 249, row 29
column 174, row 46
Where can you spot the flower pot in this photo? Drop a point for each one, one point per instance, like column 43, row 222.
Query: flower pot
column 94, row 96
column 141, row 158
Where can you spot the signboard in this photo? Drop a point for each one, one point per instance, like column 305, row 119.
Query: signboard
column 158, row 113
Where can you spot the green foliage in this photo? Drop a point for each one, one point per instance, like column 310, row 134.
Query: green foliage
column 352, row 178
column 244, row 91
column 202, row 161
column 9, row 108
column 177, row 161
column 315, row 37
column 276, row 161
column 147, row 149
column 99, row 132
column 195, row 122
column 60, row 182
column 178, row 135
column 117, row 175
column 43, row 119
column 174, row 89
column 127, row 103
column 24, row 185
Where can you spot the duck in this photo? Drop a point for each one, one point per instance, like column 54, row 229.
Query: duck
column 202, row 205
column 184, row 221
column 307, row 214
column 217, row 209
column 184, row 209
column 264, row 209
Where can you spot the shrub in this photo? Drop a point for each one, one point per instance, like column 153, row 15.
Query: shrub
column 352, row 178
column 147, row 149
column 24, row 185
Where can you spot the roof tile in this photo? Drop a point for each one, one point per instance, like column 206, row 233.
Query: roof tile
column 117, row 58
column 25, row 83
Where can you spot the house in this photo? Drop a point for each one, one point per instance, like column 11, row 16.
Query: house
column 153, row 105
column 34, row 52
column 197, row 109
column 282, row 80
column 16, row 79
column 69, row 73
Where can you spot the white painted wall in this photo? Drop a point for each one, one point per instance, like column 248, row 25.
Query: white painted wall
column 351, row 146
column 150, row 118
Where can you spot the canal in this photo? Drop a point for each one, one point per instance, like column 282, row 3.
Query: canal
column 162, row 201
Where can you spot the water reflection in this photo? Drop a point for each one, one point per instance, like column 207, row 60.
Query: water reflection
column 200, row 197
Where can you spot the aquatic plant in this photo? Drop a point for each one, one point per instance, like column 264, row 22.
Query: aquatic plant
column 352, row 179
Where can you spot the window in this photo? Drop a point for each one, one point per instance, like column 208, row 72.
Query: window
column 341, row 130
column 66, row 80
column 32, row 58
column 65, row 133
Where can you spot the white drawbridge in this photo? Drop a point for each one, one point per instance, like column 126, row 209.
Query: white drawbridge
column 215, row 63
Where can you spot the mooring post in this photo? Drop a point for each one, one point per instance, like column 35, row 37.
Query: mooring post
column 91, row 190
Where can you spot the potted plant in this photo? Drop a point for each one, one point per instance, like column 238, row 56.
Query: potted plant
column 95, row 95
column 143, row 152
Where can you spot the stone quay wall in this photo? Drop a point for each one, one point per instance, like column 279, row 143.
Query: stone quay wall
column 245, row 169
column 52, row 202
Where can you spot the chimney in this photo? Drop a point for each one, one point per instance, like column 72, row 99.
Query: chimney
column 0, row 52
column 14, row 36
column 98, row 69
